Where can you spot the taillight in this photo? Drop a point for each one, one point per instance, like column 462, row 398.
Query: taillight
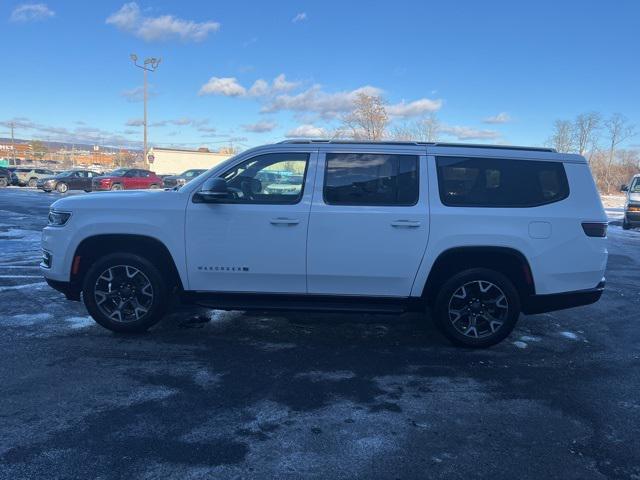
column 595, row 229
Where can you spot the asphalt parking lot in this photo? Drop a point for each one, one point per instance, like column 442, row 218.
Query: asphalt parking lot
column 310, row 396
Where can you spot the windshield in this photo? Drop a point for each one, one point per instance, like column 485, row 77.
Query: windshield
column 635, row 185
column 66, row 173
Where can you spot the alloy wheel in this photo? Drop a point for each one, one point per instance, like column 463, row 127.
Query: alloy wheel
column 478, row 309
column 123, row 293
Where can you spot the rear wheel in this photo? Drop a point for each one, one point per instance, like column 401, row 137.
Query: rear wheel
column 3, row 182
column 32, row 183
column 116, row 186
column 62, row 187
column 153, row 186
column 477, row 308
column 125, row 292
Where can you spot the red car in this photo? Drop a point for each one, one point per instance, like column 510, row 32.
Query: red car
column 127, row 179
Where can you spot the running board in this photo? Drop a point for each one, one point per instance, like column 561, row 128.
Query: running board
column 312, row 303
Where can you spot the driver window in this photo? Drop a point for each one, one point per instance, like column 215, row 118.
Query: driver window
column 274, row 178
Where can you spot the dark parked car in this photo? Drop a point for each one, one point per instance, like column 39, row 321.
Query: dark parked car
column 127, row 179
column 172, row 181
column 5, row 177
column 68, row 180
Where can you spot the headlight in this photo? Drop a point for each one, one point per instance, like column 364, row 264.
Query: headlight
column 181, row 181
column 57, row 219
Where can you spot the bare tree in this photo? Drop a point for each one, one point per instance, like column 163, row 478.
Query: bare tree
column 426, row 129
column 618, row 130
column 586, row 128
column 562, row 137
column 368, row 120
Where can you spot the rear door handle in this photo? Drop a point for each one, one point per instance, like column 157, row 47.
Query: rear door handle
column 284, row 221
column 405, row 224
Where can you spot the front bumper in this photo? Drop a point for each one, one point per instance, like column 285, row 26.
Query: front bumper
column 561, row 301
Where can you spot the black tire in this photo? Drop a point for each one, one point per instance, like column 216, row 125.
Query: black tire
column 62, row 187
column 32, row 183
column 116, row 186
column 87, row 191
column 474, row 315
column 96, row 278
column 4, row 182
column 625, row 225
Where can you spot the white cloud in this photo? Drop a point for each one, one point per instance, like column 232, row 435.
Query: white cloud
column 502, row 117
column 281, row 84
column 301, row 17
column 227, row 86
column 314, row 99
column 135, row 122
column 306, row 131
column 165, row 27
column 469, row 133
column 415, row 108
column 230, row 87
column 31, row 12
column 260, row 127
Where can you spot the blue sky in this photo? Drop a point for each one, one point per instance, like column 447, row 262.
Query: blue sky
column 493, row 71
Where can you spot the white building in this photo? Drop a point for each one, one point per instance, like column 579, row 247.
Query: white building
column 165, row 161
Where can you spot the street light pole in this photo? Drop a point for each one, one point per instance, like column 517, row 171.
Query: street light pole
column 149, row 65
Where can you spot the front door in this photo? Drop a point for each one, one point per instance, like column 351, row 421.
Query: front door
column 369, row 224
column 255, row 241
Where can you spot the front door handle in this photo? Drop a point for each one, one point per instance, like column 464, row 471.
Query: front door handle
column 284, row 221
column 405, row 224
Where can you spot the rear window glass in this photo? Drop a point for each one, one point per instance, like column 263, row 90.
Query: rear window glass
column 371, row 179
column 500, row 182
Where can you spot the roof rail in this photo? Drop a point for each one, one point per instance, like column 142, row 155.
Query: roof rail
column 431, row 144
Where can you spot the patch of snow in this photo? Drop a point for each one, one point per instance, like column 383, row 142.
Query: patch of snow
column 25, row 319
column 569, row 335
column 36, row 286
column 520, row 344
column 529, row 338
column 79, row 322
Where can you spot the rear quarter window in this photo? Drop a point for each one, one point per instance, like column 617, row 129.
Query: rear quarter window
column 500, row 182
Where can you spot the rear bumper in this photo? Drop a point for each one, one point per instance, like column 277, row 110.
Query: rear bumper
column 560, row 301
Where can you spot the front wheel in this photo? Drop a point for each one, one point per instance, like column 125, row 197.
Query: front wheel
column 153, row 186
column 124, row 292
column 62, row 187
column 3, row 182
column 32, row 183
column 116, row 186
column 477, row 308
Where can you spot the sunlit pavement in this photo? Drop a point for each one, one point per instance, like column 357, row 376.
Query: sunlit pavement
column 310, row 396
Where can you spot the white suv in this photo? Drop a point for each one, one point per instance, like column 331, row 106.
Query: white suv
column 475, row 234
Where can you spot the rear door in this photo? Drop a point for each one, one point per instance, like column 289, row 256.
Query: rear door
column 369, row 223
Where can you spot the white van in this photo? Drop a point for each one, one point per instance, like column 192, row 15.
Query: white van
column 476, row 235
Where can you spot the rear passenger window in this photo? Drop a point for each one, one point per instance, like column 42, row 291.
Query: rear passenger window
column 499, row 182
column 371, row 179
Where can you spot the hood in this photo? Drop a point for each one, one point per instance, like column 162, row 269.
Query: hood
column 122, row 199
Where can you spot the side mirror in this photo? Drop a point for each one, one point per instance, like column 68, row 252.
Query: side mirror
column 624, row 188
column 213, row 190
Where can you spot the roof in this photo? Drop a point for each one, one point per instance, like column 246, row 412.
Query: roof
column 181, row 150
column 431, row 144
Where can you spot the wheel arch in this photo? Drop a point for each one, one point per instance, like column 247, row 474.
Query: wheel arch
column 506, row 260
column 96, row 246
